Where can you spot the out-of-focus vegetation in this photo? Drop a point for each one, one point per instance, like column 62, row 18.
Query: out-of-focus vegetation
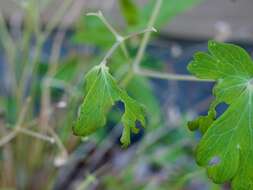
column 42, row 89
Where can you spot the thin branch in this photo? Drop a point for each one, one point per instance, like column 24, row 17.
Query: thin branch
column 18, row 129
column 20, row 120
column 36, row 135
column 168, row 76
column 28, row 132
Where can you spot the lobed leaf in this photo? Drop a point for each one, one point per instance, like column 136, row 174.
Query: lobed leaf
column 101, row 94
column 226, row 148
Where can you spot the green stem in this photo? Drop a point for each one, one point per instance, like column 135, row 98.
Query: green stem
column 150, row 73
column 168, row 76
column 147, row 35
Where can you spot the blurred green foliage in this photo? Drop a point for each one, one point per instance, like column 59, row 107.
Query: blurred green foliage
column 130, row 12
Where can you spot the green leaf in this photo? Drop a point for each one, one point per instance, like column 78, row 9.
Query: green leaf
column 102, row 92
column 226, row 149
column 129, row 11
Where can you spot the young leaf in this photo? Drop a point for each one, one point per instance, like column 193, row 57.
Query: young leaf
column 101, row 94
column 226, row 149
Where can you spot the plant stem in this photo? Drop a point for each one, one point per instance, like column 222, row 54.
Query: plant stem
column 150, row 73
column 147, row 35
column 168, row 76
column 20, row 120
column 19, row 129
column 36, row 135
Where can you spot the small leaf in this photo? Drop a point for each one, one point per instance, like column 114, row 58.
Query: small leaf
column 226, row 148
column 101, row 94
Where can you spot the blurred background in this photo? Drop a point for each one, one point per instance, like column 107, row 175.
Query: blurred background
column 47, row 47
